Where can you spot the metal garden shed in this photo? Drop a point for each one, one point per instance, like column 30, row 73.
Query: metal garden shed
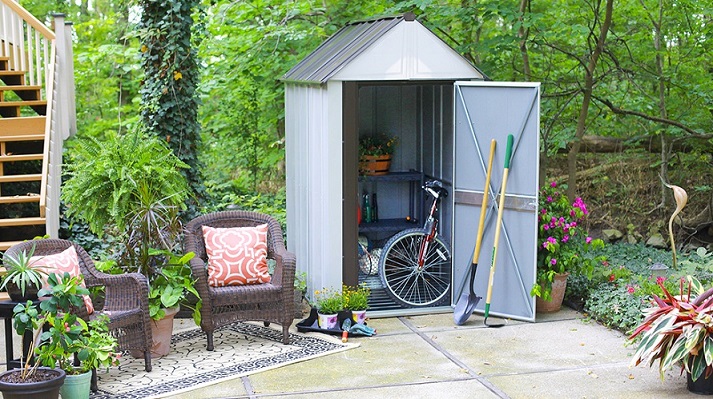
column 393, row 75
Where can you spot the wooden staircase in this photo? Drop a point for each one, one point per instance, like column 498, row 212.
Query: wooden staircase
column 37, row 114
column 22, row 136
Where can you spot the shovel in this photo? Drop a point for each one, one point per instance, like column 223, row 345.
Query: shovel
column 501, row 209
column 468, row 301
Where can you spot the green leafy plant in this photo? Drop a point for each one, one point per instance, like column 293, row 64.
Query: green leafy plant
column 301, row 282
column 677, row 331
column 376, row 144
column 356, row 298
column 21, row 272
column 328, row 301
column 563, row 244
column 172, row 286
column 142, row 179
column 63, row 334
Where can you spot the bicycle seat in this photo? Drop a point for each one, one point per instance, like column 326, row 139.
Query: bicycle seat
column 435, row 188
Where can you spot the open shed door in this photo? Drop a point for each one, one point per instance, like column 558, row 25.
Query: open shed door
column 483, row 111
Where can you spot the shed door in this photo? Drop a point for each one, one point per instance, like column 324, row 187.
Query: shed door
column 483, row 111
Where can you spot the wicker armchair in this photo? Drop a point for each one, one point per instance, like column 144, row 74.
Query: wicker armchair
column 270, row 302
column 126, row 296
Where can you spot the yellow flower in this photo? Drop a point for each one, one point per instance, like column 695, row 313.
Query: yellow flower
column 177, row 75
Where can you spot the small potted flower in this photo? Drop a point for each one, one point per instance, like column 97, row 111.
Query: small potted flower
column 375, row 152
column 328, row 303
column 563, row 246
column 356, row 299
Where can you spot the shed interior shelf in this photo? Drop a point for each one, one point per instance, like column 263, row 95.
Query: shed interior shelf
column 414, row 178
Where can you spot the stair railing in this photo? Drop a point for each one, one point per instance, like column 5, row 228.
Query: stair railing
column 33, row 47
column 26, row 41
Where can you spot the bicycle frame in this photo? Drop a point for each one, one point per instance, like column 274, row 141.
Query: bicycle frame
column 430, row 226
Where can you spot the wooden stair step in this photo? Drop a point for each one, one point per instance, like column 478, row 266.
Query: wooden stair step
column 16, row 199
column 22, row 128
column 13, row 78
column 12, row 108
column 31, row 221
column 21, row 157
column 19, row 178
column 4, row 245
column 25, row 92
column 23, row 137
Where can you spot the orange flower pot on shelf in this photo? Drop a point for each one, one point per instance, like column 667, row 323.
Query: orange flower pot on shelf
column 374, row 165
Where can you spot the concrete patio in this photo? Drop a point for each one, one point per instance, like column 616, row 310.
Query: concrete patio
column 562, row 355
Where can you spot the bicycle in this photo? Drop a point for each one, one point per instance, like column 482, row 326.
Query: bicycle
column 415, row 264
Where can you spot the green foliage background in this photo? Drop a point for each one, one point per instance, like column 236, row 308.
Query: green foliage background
column 242, row 49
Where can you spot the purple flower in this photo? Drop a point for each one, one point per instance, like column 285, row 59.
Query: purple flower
column 588, row 240
column 565, row 238
column 553, row 261
column 553, row 184
column 549, row 198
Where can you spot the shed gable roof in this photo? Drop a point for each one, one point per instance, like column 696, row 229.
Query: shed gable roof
column 355, row 39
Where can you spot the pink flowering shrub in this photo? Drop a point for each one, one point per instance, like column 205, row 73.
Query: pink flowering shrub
column 564, row 245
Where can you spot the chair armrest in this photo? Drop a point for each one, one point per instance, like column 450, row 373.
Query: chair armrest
column 200, row 275
column 125, row 291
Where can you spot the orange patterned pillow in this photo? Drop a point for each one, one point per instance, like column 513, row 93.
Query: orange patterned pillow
column 236, row 255
column 65, row 261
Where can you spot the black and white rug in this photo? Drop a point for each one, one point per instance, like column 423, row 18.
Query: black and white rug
column 241, row 348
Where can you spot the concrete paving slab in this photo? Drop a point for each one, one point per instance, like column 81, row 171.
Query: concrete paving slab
column 379, row 361
column 451, row 389
column 605, row 382
column 538, row 347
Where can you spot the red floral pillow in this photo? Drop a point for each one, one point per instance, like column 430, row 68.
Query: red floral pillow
column 65, row 261
column 236, row 255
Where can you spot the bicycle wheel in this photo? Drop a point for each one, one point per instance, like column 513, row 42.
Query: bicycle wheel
column 401, row 276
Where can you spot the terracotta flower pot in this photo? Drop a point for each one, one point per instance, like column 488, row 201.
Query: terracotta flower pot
column 558, row 288
column 374, row 165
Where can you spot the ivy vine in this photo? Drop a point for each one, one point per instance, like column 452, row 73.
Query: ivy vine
column 169, row 96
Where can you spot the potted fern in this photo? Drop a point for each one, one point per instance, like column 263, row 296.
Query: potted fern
column 131, row 188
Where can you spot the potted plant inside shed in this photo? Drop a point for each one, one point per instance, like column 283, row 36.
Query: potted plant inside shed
column 375, row 152
column 563, row 246
column 678, row 330
column 131, row 187
column 23, row 280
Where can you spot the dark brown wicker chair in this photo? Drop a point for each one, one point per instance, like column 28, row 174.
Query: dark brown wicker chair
column 271, row 302
column 126, row 296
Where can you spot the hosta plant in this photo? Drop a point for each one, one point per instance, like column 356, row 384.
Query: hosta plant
column 677, row 331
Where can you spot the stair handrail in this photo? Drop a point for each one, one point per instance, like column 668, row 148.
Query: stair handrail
column 26, row 41
column 48, row 133
column 29, row 18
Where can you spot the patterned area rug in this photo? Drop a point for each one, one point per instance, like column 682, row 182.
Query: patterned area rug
column 241, row 348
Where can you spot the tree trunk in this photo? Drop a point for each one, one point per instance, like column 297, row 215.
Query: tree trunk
column 586, row 100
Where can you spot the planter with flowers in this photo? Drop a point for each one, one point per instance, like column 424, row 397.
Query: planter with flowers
column 678, row 330
column 63, row 336
column 328, row 303
column 375, row 152
column 356, row 300
column 563, row 246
